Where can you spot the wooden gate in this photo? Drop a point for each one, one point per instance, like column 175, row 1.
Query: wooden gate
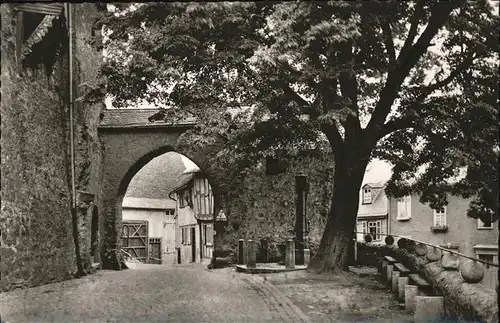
column 135, row 239
column 155, row 251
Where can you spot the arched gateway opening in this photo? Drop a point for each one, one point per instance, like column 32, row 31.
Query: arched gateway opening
column 167, row 213
column 129, row 142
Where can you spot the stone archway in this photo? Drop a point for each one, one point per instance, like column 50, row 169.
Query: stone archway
column 129, row 141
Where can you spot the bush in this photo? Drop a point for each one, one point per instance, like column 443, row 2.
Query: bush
column 225, row 251
column 389, row 240
column 368, row 238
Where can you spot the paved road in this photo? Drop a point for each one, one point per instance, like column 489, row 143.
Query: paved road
column 152, row 293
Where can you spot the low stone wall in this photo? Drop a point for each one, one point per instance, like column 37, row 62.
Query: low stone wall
column 464, row 301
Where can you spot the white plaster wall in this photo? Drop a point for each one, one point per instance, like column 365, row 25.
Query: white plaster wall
column 160, row 225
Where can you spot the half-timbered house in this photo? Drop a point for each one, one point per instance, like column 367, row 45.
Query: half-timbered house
column 195, row 222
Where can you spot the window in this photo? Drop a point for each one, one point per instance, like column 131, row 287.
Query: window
column 185, row 235
column 367, row 196
column 374, row 228
column 170, row 212
column 187, row 198
column 486, row 257
column 440, row 217
column 180, row 198
column 482, row 225
column 208, row 234
column 37, row 33
column 404, row 208
column 361, row 228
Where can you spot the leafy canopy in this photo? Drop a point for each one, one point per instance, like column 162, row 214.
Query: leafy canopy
column 414, row 83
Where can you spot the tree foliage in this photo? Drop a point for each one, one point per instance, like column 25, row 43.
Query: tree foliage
column 414, row 83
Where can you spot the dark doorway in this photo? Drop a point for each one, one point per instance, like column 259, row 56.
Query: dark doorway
column 155, row 251
column 193, row 244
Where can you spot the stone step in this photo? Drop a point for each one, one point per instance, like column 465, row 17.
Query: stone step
column 390, row 259
column 419, row 281
column 403, row 271
column 429, row 309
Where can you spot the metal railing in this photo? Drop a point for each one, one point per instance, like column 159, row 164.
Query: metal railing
column 435, row 246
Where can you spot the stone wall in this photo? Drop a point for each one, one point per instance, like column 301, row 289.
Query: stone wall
column 37, row 239
column 464, row 301
column 263, row 206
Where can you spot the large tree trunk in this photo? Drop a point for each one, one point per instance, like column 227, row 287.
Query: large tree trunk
column 334, row 250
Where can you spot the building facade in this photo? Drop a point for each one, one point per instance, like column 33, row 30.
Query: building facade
column 194, row 222
column 372, row 212
column 447, row 227
column 158, row 215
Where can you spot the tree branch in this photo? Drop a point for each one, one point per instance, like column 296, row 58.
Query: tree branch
column 389, row 44
column 395, row 125
column 408, row 122
column 390, row 91
column 295, row 96
column 433, row 87
column 417, row 14
column 334, row 137
column 349, row 89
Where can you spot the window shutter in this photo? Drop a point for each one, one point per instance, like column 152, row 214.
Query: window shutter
column 49, row 8
column 33, row 22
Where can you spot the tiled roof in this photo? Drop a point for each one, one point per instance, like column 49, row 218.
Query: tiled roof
column 183, row 181
column 147, row 203
column 134, row 117
column 158, row 178
column 380, row 184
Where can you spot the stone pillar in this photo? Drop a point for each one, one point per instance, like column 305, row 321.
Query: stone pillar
column 402, row 282
column 307, row 256
column 383, row 269
column 428, row 308
column 395, row 281
column 251, row 256
column 241, row 252
column 389, row 273
column 411, row 291
column 290, row 254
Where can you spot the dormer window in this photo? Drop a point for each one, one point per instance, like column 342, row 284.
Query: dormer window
column 367, row 195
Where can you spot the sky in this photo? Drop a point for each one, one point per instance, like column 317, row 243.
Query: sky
column 376, row 171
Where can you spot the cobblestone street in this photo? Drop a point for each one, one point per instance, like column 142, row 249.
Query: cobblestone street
column 151, row 293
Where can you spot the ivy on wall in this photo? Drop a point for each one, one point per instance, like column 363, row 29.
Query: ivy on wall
column 262, row 206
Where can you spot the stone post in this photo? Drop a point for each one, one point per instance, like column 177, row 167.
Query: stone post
column 251, row 256
column 402, row 282
column 241, row 252
column 394, row 282
column 383, row 268
column 411, row 291
column 290, row 254
column 389, row 270
column 307, row 256
column 428, row 309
